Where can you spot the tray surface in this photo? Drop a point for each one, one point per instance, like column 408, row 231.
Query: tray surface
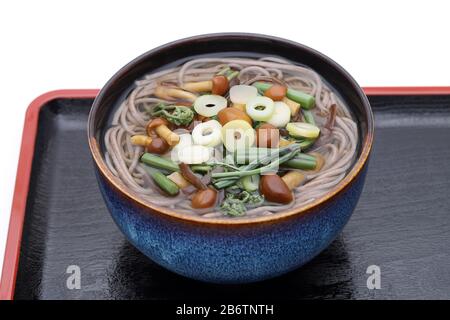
column 401, row 223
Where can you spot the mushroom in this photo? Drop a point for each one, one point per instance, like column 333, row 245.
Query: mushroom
column 141, row 140
column 275, row 189
column 204, row 197
column 198, row 86
column 238, row 106
column 179, row 180
column 218, row 85
column 332, row 117
column 158, row 145
column 294, row 106
column 168, row 93
column 153, row 145
column 276, row 92
column 320, row 161
column 229, row 114
column 285, row 142
column 159, row 125
column 293, row 179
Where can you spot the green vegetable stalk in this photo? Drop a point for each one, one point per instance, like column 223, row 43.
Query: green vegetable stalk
column 178, row 115
column 228, row 72
column 270, row 167
column 226, row 179
column 245, row 156
column 302, row 161
column 200, row 168
column 306, row 101
column 306, row 143
column 225, row 165
column 159, row 162
column 167, row 185
column 309, row 118
column 261, row 155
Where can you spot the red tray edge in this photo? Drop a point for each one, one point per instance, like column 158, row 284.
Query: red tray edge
column 13, row 240
column 14, row 237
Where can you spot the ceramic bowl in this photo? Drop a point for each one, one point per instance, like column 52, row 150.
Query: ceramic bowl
column 231, row 250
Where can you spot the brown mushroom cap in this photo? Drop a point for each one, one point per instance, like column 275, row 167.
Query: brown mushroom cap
column 153, row 123
column 205, row 198
column 158, row 146
column 275, row 189
column 220, row 85
column 276, row 92
column 229, row 114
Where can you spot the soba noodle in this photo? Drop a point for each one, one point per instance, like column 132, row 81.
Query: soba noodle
column 337, row 144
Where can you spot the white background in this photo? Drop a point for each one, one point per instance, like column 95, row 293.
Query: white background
column 47, row 45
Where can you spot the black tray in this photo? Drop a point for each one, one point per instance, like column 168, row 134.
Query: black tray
column 401, row 224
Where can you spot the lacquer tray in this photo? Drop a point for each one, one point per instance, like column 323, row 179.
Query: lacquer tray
column 401, row 224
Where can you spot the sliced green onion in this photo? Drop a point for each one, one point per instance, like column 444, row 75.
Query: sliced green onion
column 281, row 115
column 208, row 134
column 242, row 93
column 260, row 108
column 303, row 130
column 250, row 183
column 209, row 105
column 195, row 154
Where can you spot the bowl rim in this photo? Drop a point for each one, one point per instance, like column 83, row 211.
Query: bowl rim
column 360, row 163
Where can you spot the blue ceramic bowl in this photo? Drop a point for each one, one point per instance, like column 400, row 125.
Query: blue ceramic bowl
column 231, row 251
